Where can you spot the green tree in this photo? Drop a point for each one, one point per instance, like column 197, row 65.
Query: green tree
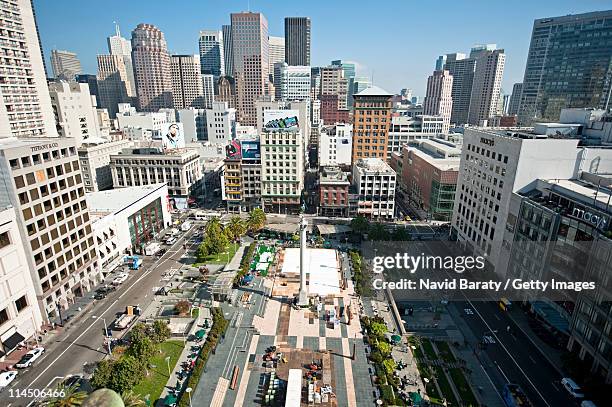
column 400, row 234
column 215, row 240
column 103, row 373
column 127, row 373
column 385, row 348
column 389, row 365
column 295, row 237
column 138, row 332
column 202, row 252
column 236, row 227
column 161, row 331
column 66, row 397
column 131, row 399
column 142, row 349
column 256, row 219
column 360, row 224
column 377, row 232
column 378, row 329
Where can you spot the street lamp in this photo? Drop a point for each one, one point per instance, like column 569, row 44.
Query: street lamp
column 106, row 336
column 168, row 363
column 188, row 391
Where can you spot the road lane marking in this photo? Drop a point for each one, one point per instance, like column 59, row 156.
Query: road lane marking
column 533, row 360
column 497, row 316
column 510, row 355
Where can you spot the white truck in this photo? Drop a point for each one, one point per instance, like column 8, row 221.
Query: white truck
column 152, row 248
column 185, row 226
column 125, row 319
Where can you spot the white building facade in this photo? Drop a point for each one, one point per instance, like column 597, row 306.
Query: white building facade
column 75, row 110
column 336, row 145
column 374, row 181
column 221, row 123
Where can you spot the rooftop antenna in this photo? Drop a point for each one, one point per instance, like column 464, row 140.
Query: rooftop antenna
column 117, row 29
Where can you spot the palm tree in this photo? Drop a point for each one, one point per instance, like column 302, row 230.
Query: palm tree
column 66, row 397
column 256, row 220
column 236, row 227
column 131, row 399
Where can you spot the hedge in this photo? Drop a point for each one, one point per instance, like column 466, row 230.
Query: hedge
column 218, row 328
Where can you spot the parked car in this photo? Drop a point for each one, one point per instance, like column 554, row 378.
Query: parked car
column 120, row 279
column 7, row 378
column 79, row 382
column 29, row 358
column 572, row 388
column 170, row 241
column 102, row 292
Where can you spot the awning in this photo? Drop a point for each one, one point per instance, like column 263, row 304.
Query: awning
column 12, row 341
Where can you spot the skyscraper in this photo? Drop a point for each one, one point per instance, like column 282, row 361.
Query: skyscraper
column 113, row 83
column 462, row 70
column 276, row 53
column 569, row 64
column 228, row 51
column 212, row 52
column 297, row 40
column 348, row 69
column 372, row 118
column 187, row 88
column 151, row 68
column 250, row 47
column 117, row 45
column 438, row 99
column 65, row 64
column 294, row 82
column 25, row 110
column 515, row 99
column 487, row 85
column 208, row 91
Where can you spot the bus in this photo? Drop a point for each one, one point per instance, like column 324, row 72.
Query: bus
column 505, row 304
column 200, row 215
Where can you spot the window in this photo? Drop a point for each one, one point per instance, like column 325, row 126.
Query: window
column 21, row 303
column 3, row 316
column 4, row 240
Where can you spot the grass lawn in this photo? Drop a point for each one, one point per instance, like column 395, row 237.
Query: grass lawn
column 445, row 386
column 429, row 350
column 465, row 391
column 158, row 376
column 417, row 353
column 219, row 258
column 445, row 352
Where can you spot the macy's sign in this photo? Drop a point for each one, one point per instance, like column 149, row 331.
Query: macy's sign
column 597, row 220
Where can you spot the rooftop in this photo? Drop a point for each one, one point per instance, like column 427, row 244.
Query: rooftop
column 331, row 175
column 373, row 91
column 115, row 200
column 441, row 155
column 373, row 164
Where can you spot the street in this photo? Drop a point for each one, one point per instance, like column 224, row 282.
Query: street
column 82, row 342
column 513, row 354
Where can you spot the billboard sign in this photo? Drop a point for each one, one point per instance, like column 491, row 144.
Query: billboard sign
column 286, row 120
column 173, row 136
column 232, row 150
column 251, row 150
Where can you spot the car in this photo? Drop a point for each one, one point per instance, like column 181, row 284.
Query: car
column 29, row 358
column 7, row 378
column 120, row 279
column 572, row 388
column 79, row 382
column 170, row 241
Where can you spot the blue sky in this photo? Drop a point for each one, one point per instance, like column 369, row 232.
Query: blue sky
column 395, row 41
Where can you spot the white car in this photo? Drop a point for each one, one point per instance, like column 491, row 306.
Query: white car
column 120, row 279
column 7, row 378
column 29, row 358
column 170, row 241
column 572, row 388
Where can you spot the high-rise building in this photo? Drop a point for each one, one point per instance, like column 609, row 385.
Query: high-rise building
column 359, row 83
column 45, row 186
column 568, row 65
column 438, row 99
column 19, row 311
column 487, row 85
column 462, row 70
column 250, row 47
column 515, row 98
column 228, row 50
column 208, row 85
column 294, row 82
column 225, row 91
column 187, row 87
column 374, row 182
column 221, row 123
column 276, row 53
column 348, row 70
column 212, row 53
column 371, row 122
column 297, row 41
column 113, row 83
column 25, row 109
column 151, row 68
column 65, row 64
column 75, row 111
column 333, row 83
column 440, row 62
column 117, row 45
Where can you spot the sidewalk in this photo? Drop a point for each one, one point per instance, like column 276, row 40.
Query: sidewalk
column 184, row 357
